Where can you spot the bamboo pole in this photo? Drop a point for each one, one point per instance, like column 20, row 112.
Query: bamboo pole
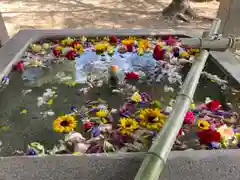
column 221, row 44
column 156, row 157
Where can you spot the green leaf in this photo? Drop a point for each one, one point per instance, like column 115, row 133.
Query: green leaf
column 156, row 104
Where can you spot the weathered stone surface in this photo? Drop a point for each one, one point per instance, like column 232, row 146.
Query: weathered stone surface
column 182, row 165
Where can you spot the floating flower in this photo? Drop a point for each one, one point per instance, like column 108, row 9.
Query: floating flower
column 226, row 132
column 110, row 50
column 214, row 145
column 36, row 48
column 136, row 97
column 102, row 113
column 128, row 41
column 158, row 53
column 35, row 148
column 171, row 41
column 189, row 118
column 128, row 125
column 140, row 51
column 68, row 41
column 71, row 55
column 87, row 125
column 203, row 124
column 56, row 52
column 213, row 105
column 113, row 40
column 208, row 136
column 131, row 75
column 151, row 118
column 101, row 47
column 20, row 66
column 183, row 54
column 144, row 43
column 64, row 123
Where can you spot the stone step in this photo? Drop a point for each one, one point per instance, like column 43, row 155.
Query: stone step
column 182, row 165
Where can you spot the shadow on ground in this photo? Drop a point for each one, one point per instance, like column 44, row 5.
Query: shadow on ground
column 87, row 14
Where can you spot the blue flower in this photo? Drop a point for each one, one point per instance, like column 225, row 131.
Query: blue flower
column 95, row 131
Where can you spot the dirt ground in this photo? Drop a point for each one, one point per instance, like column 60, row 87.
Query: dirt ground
column 22, row 14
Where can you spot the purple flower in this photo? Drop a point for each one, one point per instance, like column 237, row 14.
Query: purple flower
column 31, row 152
column 95, row 131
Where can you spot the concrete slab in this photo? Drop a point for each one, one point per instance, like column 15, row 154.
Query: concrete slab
column 181, row 165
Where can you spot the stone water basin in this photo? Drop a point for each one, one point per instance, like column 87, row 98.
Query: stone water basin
column 23, row 120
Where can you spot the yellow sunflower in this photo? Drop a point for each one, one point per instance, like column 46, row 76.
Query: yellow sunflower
column 203, row 124
column 128, row 125
column 152, row 118
column 64, row 123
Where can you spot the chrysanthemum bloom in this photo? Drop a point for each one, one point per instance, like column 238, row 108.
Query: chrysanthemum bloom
column 152, row 118
column 64, row 123
column 128, row 125
column 203, row 124
column 102, row 113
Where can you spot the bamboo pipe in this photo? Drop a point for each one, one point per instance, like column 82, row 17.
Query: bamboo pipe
column 221, row 44
column 156, row 157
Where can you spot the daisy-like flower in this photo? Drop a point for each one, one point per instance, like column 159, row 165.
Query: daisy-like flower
column 152, row 118
column 203, row 124
column 64, row 123
column 128, row 125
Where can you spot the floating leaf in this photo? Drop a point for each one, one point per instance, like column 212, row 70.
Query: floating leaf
column 24, row 111
column 156, row 104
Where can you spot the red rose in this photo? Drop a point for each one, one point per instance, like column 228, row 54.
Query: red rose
column 208, row 136
column 213, row 105
column 113, row 40
column 129, row 47
column 87, row 125
column 71, row 55
column 76, row 44
column 131, row 75
column 56, row 52
column 158, row 53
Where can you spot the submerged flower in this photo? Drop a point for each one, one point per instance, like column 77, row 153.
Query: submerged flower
column 152, row 118
column 102, row 113
column 203, row 124
column 208, row 136
column 128, row 125
column 64, row 123
column 213, row 105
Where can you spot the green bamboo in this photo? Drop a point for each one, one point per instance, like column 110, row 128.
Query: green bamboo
column 156, row 157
